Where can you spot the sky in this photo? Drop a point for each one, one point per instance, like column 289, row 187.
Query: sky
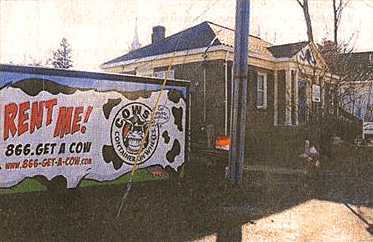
column 99, row 31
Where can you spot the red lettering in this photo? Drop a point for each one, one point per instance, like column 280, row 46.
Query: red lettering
column 47, row 162
column 22, row 117
column 63, row 121
column 12, row 165
column 12, row 110
column 59, row 162
column 77, row 118
column 36, row 115
column 87, row 114
column 10, row 113
column 49, row 106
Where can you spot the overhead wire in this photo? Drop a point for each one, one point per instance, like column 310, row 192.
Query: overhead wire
column 368, row 4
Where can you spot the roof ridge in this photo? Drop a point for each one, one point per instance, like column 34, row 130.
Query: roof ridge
column 300, row 42
column 227, row 28
column 221, row 26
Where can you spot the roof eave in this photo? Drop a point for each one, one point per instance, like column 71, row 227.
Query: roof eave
column 167, row 55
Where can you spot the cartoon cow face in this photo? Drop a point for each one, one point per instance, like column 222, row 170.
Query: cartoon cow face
column 163, row 145
column 133, row 134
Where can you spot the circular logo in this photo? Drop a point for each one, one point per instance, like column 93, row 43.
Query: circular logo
column 128, row 132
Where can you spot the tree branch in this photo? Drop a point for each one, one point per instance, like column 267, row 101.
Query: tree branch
column 301, row 5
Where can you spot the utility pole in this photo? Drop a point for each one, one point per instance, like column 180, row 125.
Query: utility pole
column 239, row 91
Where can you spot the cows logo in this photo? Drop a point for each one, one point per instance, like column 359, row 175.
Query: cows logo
column 128, row 132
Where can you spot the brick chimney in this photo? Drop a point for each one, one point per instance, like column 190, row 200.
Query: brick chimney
column 159, row 33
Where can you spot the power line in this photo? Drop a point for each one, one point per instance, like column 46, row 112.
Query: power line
column 368, row 4
column 206, row 10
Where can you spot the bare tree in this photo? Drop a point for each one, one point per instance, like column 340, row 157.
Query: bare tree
column 30, row 60
column 338, row 7
column 307, row 18
column 354, row 86
column 341, row 94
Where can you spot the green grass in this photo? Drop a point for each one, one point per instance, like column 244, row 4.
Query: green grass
column 27, row 185
column 139, row 176
column 31, row 185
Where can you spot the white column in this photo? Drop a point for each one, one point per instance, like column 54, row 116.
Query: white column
column 288, row 97
column 322, row 95
column 275, row 98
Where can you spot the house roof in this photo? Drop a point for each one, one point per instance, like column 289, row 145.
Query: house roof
column 198, row 36
column 363, row 59
column 287, row 50
column 204, row 35
column 358, row 66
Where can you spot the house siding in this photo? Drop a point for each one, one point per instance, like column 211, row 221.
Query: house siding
column 208, row 107
column 284, row 142
column 260, row 118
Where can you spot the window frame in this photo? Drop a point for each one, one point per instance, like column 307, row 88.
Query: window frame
column 263, row 90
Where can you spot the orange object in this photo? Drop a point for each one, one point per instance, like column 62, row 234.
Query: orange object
column 222, row 140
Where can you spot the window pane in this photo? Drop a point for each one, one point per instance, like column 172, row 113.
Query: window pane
column 260, row 96
column 261, row 91
column 260, row 83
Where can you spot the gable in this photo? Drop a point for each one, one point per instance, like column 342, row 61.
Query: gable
column 309, row 55
column 287, row 50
